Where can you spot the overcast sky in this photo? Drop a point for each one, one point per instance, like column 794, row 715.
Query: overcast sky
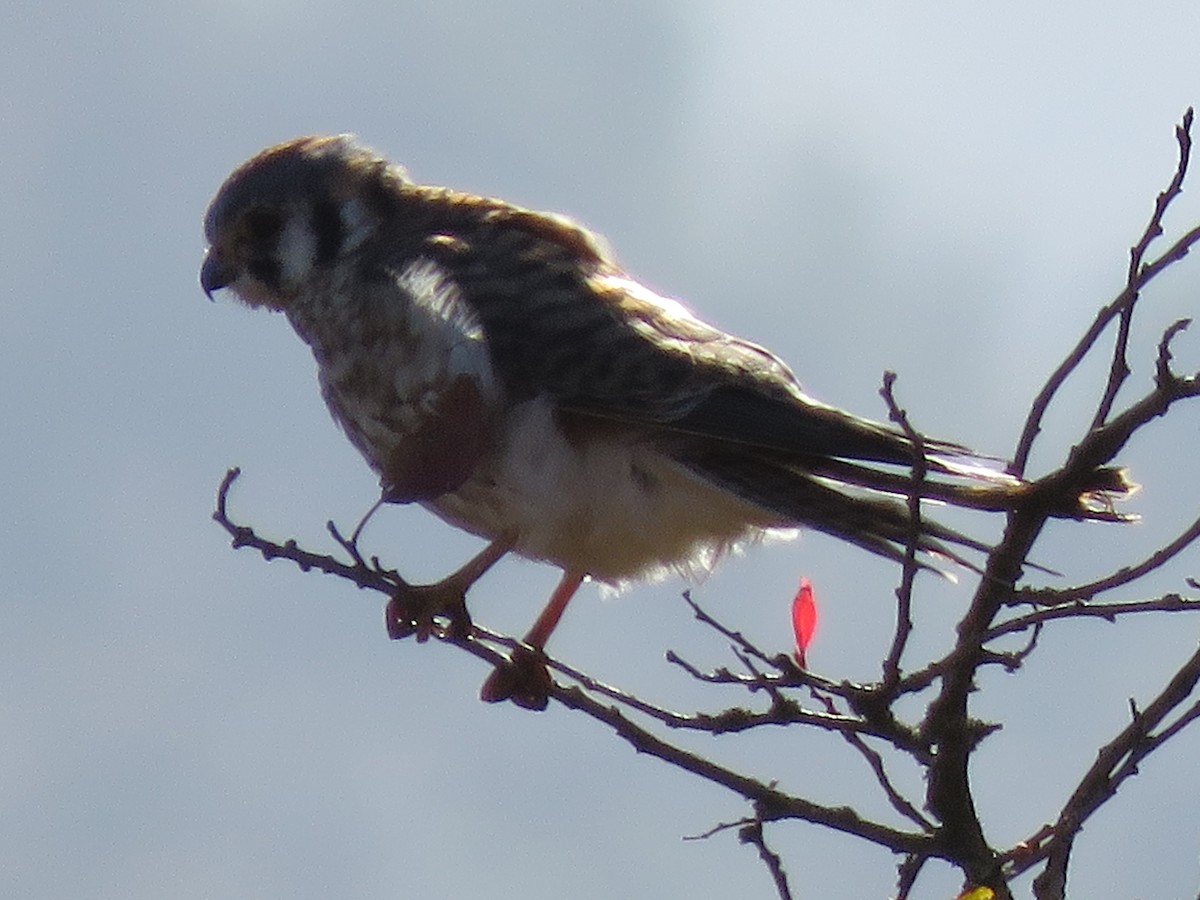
column 945, row 190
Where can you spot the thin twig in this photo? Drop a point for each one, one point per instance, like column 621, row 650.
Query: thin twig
column 920, row 467
column 752, row 833
column 1123, row 301
column 243, row 536
column 906, row 875
column 717, row 829
column 774, row 803
column 1116, row 761
column 1120, row 578
column 1119, row 368
column 736, row 637
column 1081, row 610
column 875, row 762
column 1101, row 445
column 1162, row 366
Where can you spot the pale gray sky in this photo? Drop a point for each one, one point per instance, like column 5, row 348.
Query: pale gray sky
column 944, row 189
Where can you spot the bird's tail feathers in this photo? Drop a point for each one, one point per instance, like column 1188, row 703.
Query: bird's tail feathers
column 825, row 502
column 861, row 504
column 990, row 490
column 963, row 463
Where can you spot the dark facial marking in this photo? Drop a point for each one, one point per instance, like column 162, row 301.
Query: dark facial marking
column 265, row 269
column 328, row 228
column 262, row 226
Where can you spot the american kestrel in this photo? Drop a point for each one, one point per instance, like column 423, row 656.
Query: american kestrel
column 495, row 365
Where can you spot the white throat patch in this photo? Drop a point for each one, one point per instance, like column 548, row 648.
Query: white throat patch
column 297, row 250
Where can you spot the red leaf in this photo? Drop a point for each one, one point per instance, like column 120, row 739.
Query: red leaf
column 804, row 619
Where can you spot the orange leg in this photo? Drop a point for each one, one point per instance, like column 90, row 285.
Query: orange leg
column 525, row 679
column 476, row 566
column 555, row 607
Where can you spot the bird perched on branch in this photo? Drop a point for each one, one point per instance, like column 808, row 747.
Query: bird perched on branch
column 495, row 365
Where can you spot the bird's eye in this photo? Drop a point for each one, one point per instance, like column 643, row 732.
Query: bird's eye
column 262, row 225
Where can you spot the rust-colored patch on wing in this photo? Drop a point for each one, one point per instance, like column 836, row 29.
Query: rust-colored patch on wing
column 443, row 452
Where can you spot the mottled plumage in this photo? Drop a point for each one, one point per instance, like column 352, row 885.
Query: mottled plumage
column 495, row 365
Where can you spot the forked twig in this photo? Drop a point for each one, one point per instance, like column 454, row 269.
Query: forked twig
column 1140, row 275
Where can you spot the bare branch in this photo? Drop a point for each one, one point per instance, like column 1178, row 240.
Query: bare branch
column 773, row 803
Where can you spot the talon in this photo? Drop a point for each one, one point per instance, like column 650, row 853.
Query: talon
column 397, row 620
column 414, row 609
column 523, row 679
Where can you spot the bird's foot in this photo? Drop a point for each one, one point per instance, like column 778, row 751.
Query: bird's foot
column 415, row 609
column 523, row 679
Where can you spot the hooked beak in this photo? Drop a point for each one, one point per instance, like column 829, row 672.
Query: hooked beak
column 214, row 273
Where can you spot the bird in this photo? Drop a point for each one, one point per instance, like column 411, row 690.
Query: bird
column 497, row 366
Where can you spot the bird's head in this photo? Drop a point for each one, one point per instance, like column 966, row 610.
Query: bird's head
column 291, row 210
